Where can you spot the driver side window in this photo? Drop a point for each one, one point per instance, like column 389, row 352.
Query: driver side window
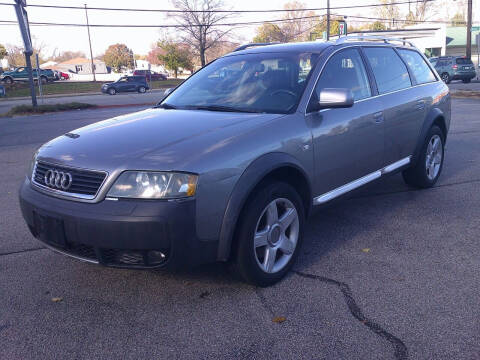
column 345, row 69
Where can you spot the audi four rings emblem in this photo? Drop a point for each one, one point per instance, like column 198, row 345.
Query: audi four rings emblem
column 58, row 179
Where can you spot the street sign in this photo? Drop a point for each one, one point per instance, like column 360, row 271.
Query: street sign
column 475, row 28
column 342, row 28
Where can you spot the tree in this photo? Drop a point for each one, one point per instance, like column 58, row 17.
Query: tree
column 3, row 52
column 153, row 57
column 377, row 25
column 318, row 30
column 269, row 33
column 389, row 10
column 175, row 56
column 16, row 56
column 68, row 55
column 294, row 29
column 200, row 29
column 118, row 57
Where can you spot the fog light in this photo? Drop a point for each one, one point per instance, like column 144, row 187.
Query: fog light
column 155, row 257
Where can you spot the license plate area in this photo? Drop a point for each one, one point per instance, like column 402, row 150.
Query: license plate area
column 49, row 229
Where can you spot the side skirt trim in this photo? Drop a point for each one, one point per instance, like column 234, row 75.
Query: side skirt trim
column 359, row 182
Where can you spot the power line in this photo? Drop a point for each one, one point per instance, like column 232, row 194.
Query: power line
column 222, row 11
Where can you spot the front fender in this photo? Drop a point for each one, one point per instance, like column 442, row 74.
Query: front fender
column 249, row 179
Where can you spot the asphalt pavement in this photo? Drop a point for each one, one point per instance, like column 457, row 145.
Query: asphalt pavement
column 391, row 273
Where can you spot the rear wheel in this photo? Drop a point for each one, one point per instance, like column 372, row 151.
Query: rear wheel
column 112, row 91
column 446, row 78
column 269, row 234
column 142, row 89
column 466, row 81
column 43, row 79
column 426, row 171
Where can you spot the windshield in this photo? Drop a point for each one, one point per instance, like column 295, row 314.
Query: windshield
column 265, row 82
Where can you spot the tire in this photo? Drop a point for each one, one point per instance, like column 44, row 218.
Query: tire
column 446, row 78
column 43, row 79
column 112, row 91
column 142, row 89
column 8, row 80
column 425, row 173
column 280, row 238
column 466, row 81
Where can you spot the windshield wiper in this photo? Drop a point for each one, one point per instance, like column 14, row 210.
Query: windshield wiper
column 166, row 106
column 222, row 108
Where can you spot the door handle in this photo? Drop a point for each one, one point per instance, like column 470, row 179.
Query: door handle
column 378, row 117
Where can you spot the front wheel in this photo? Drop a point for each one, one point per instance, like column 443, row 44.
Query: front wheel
column 142, row 89
column 112, row 91
column 8, row 80
column 269, row 234
column 427, row 170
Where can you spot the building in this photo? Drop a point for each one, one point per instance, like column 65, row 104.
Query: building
column 81, row 66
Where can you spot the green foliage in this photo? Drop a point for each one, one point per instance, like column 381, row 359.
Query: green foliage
column 268, row 33
column 40, row 109
column 175, row 56
column 377, row 25
column 119, row 56
column 3, row 52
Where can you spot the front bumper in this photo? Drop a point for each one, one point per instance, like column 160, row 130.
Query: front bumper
column 122, row 233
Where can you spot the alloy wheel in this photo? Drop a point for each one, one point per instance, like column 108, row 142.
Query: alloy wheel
column 276, row 235
column 433, row 160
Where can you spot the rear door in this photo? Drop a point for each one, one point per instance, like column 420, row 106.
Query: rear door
column 348, row 142
column 403, row 110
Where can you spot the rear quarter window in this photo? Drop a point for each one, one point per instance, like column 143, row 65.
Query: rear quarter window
column 463, row 61
column 390, row 72
column 421, row 71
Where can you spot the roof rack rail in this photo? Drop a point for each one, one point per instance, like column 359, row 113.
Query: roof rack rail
column 246, row 46
column 386, row 40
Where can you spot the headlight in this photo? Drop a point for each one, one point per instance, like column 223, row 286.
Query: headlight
column 32, row 165
column 153, row 185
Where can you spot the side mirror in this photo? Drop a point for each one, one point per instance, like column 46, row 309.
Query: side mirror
column 167, row 91
column 334, row 98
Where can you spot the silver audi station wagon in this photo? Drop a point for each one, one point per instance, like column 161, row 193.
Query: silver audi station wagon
column 230, row 164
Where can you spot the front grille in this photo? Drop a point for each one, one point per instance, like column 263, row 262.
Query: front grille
column 85, row 183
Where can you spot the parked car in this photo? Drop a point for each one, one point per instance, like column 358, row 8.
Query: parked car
column 126, row 83
column 21, row 74
column 150, row 75
column 454, row 68
column 63, row 76
column 232, row 162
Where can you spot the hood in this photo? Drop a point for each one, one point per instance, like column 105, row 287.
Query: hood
column 156, row 139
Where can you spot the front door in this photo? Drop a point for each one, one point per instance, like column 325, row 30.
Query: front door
column 348, row 142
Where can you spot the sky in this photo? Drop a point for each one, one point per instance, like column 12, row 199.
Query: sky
column 57, row 39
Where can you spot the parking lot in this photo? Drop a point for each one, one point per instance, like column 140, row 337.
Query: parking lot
column 390, row 273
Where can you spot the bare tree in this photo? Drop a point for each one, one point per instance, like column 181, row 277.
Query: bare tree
column 199, row 24
column 389, row 11
column 296, row 28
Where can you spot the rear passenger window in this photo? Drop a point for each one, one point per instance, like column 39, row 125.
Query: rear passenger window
column 345, row 69
column 418, row 66
column 390, row 72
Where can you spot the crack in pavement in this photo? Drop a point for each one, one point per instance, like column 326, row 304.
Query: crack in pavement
column 264, row 302
column 400, row 349
column 21, row 251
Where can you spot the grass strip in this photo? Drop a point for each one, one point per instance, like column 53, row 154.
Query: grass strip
column 40, row 109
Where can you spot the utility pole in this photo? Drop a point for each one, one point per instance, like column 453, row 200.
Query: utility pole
column 22, row 18
column 328, row 20
column 469, row 30
column 90, row 43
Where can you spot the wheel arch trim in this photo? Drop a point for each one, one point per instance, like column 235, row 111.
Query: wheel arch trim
column 434, row 116
column 256, row 172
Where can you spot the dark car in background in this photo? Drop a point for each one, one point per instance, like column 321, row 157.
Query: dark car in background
column 21, row 74
column 454, row 68
column 150, row 75
column 126, row 84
